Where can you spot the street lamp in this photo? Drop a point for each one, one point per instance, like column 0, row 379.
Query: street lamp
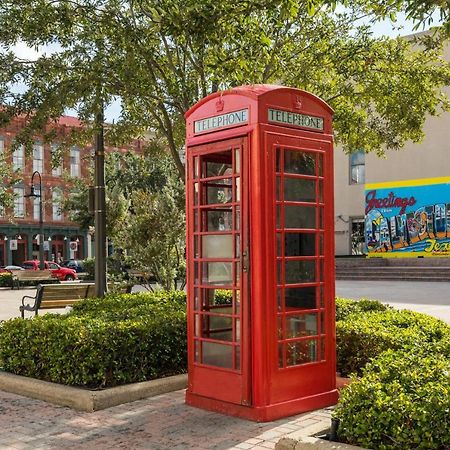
column 33, row 194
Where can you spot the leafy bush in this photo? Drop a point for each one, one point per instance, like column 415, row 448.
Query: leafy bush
column 402, row 401
column 5, row 279
column 345, row 307
column 361, row 337
column 103, row 342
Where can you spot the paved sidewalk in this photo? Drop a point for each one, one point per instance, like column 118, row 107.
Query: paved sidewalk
column 158, row 423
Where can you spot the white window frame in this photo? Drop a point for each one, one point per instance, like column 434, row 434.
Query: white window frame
column 357, row 176
column 36, row 201
column 57, row 214
column 19, row 202
column 38, row 157
column 19, row 158
column 56, row 171
column 74, row 162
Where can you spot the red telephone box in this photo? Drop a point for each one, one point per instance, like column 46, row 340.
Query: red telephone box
column 260, row 253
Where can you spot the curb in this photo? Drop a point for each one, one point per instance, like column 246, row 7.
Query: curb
column 85, row 400
column 305, row 439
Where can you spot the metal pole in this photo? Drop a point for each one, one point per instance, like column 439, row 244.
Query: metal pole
column 100, row 212
column 41, row 227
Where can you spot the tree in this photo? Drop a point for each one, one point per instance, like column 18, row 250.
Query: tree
column 160, row 57
column 144, row 214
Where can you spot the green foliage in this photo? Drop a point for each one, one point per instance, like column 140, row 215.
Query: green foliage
column 89, row 268
column 346, row 306
column 103, row 342
column 402, row 401
column 5, row 279
column 161, row 58
column 361, row 337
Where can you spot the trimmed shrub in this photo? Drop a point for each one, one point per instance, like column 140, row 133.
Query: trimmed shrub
column 345, row 307
column 5, row 279
column 361, row 337
column 402, row 401
column 103, row 342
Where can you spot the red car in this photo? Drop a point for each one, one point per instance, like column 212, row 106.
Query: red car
column 62, row 273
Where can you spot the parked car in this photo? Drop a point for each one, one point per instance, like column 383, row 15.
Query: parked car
column 10, row 268
column 62, row 273
column 75, row 264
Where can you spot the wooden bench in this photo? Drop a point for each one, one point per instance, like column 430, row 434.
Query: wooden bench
column 55, row 296
column 19, row 276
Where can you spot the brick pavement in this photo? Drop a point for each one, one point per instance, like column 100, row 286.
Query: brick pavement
column 159, row 423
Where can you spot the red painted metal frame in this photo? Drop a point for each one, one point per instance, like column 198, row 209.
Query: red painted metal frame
column 261, row 390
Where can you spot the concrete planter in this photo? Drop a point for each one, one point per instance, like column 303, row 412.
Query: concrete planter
column 86, row 400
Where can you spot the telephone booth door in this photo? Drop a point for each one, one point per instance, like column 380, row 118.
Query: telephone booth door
column 218, row 243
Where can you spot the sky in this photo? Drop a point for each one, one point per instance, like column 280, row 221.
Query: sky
column 402, row 27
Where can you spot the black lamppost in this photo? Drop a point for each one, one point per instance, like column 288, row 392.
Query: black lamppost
column 33, row 194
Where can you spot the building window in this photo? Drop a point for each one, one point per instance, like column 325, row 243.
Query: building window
column 75, row 162
column 38, row 157
column 18, row 158
column 19, row 202
column 36, row 201
column 56, row 204
column 358, row 167
column 56, row 170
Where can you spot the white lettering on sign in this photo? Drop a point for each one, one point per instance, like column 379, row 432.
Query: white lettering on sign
column 291, row 118
column 231, row 119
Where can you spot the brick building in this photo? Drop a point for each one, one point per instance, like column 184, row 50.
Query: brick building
column 19, row 228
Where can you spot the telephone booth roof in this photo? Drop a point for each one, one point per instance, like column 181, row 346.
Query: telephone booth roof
column 256, row 97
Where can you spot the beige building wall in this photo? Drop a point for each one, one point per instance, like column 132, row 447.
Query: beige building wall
column 429, row 159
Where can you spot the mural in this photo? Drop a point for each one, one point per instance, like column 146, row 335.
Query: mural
column 408, row 218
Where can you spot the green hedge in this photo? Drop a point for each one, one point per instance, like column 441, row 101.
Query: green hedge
column 402, row 401
column 346, row 307
column 103, row 342
column 361, row 337
column 5, row 279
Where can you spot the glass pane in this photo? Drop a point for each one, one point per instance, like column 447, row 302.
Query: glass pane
column 238, row 189
column 280, row 327
column 217, row 246
column 238, row 245
column 322, row 270
column 197, row 351
column 279, row 272
column 299, row 162
column 300, row 272
column 218, row 328
column 279, row 244
column 237, row 160
column 278, row 188
column 278, row 160
column 280, row 356
column 195, row 163
column 320, row 164
column 321, row 297
column 238, row 218
column 279, row 298
column 299, row 244
column 300, row 298
column 299, row 190
column 196, row 299
column 220, row 167
column 301, row 352
column 217, row 297
column 237, row 301
column 238, row 329
column 219, row 220
column 279, row 212
column 196, row 227
column 321, row 218
column 219, row 192
column 218, row 273
column 321, row 244
column 320, row 191
column 357, row 158
column 196, row 270
column 299, row 216
column 196, row 325
column 301, row 325
column 217, row 354
column 322, row 323
column 196, row 249
column 238, row 273
column 322, row 349
column 195, row 193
